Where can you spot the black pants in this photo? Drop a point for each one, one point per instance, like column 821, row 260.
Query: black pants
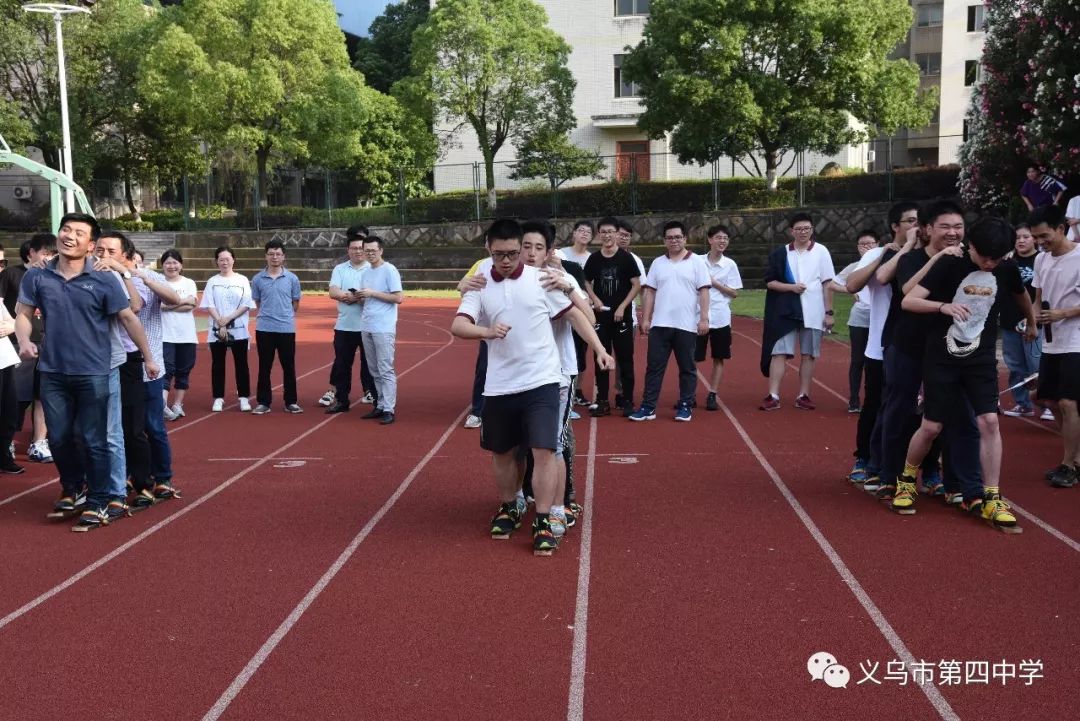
column 900, row 419
column 346, row 343
column 479, row 379
column 580, row 349
column 662, row 342
column 10, row 417
column 617, row 338
column 240, row 361
column 284, row 345
column 875, row 380
column 133, row 420
column 859, row 339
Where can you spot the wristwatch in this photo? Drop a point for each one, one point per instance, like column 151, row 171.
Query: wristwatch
column 126, row 275
column 828, row 312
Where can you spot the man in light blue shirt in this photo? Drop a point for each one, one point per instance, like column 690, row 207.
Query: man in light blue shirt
column 381, row 293
column 345, row 282
column 277, row 293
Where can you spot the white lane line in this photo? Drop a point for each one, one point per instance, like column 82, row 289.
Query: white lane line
column 575, row 710
column 794, row 367
column 281, row 458
column 188, row 507
column 293, row 618
column 1060, row 535
column 930, row 690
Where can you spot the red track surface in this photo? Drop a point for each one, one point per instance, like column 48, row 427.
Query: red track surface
column 326, row 567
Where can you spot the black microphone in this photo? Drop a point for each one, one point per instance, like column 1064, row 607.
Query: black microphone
column 1048, row 328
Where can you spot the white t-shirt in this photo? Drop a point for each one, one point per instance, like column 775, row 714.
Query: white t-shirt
column 637, row 298
column 813, row 267
column 568, row 253
column 1059, row 279
column 345, row 276
column 528, row 357
column 677, row 285
column 879, row 298
column 179, row 327
column 225, row 295
column 860, row 309
column 1072, row 210
column 725, row 272
column 564, row 336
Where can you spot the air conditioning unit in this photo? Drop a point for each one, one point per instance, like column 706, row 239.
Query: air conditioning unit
column 23, row 192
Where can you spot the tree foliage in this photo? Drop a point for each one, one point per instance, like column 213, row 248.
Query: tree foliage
column 769, row 77
column 550, row 154
column 385, row 56
column 29, row 89
column 493, row 65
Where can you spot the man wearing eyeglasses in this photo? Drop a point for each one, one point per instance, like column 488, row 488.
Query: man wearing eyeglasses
column 798, row 307
column 345, row 281
column 382, row 293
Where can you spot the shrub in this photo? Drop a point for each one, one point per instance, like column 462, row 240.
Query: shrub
column 129, row 225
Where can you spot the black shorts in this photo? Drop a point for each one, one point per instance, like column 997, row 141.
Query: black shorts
column 529, row 419
column 719, row 339
column 1059, row 377
column 946, row 385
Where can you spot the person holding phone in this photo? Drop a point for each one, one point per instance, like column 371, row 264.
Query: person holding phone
column 346, row 278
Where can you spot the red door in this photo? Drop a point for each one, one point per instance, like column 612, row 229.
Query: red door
column 632, row 158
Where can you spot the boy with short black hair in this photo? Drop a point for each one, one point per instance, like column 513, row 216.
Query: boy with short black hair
column 725, row 284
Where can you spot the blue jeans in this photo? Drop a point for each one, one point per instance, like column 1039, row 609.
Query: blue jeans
column 117, row 458
column 160, row 450
column 1022, row 359
column 77, row 410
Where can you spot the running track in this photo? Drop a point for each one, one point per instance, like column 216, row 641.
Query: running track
column 325, row 567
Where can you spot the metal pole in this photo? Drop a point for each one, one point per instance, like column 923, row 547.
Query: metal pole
column 329, row 205
column 401, row 192
column 476, row 188
column 69, row 196
column 258, row 210
column 187, row 206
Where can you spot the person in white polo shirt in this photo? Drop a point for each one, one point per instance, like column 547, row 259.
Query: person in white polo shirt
column 726, row 282
column 798, row 307
column 676, row 311
column 513, row 313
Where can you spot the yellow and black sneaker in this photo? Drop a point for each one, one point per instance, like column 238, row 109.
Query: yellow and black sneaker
column 995, row 509
column 904, row 499
column 544, row 540
column 506, row 521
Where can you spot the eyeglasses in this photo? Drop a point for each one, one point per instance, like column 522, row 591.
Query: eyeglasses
column 674, row 237
column 505, row 254
column 803, row 229
column 909, row 221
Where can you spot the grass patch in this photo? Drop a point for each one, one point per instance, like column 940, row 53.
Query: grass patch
column 751, row 303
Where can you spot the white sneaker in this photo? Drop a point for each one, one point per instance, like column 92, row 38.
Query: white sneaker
column 178, row 410
column 39, row 452
column 219, row 405
column 245, row 405
column 1047, row 415
column 472, row 421
column 368, row 398
column 168, row 414
column 328, row 398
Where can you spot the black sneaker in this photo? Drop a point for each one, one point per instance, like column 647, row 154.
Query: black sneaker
column 580, row 399
column 164, row 491
column 142, row 500
column 387, row 418
column 506, row 521
column 11, row 468
column 619, row 400
column 692, row 404
column 337, row 407
column 544, row 541
column 65, row 504
column 90, row 519
column 116, row 510
column 375, row 412
column 711, row 404
column 885, row 491
column 627, row 408
column 602, row 408
column 1062, row 477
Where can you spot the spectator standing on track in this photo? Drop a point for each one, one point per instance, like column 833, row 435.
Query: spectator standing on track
column 858, row 319
column 345, row 281
column 612, row 281
column 75, row 366
column 1041, row 189
column 34, row 253
column 178, row 335
column 578, row 252
column 626, row 237
column 1021, row 355
column 676, row 311
column 276, row 292
column 1057, row 303
column 227, row 300
column 382, row 293
column 962, row 297
column 725, row 285
column 798, row 306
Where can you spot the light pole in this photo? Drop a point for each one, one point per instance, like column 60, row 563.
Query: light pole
column 58, row 11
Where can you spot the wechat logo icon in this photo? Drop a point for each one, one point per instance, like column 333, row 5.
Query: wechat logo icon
column 823, row 667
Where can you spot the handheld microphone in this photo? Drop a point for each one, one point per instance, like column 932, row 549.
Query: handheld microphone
column 1048, row 328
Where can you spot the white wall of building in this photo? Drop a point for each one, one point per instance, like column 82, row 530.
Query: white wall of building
column 958, row 46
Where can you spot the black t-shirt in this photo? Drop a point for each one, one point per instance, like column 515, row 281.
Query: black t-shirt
column 610, row 277
column 1010, row 309
column 906, row 331
column 10, row 280
column 942, row 281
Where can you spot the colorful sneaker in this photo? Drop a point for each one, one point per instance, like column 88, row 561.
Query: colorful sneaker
column 544, row 540
column 600, row 409
column 710, row 403
column 245, row 405
column 39, row 452
column 521, row 503
column 165, row 491
column 90, row 519
column 1062, row 477
column 1020, row 412
column 117, row 510
column 683, row 414
column 506, row 521
column 557, row 524
column 65, row 504
column 858, row 472
column 645, row 413
column 995, row 509
column 904, row 498
column 572, row 512
column 974, row 506
column 932, row 484
column 219, row 405
column 872, row 483
column 770, row 403
column 472, row 421
column 885, row 491
column 142, row 500
column 327, row 398
column 1047, row 415
column 804, row 403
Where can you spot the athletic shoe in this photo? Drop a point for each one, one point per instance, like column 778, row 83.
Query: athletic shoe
column 506, row 521
column 39, row 452
column 368, row 398
column 178, row 410
column 645, row 413
column 574, row 415
column 219, row 405
column 973, row 506
column 693, row 404
column 142, row 499
column 544, row 540
column 387, row 418
column 557, row 524
column 1047, row 415
column 954, row 499
column 1020, row 412
column 683, row 414
column 91, row 518
column 168, row 414
column 521, row 504
column 472, row 421
column 165, row 490
column 293, row 408
column 804, row 403
column 932, row 484
column 770, row 403
column 327, row 398
column 116, row 510
column 1062, row 477
column 711, row 404
column 858, row 472
column 600, row 409
column 260, row 410
column 11, row 449
column 853, row 408
column 245, row 405
column 373, row 413
column 580, row 399
column 995, row 509
column 337, row 407
column 904, row 498
column 619, row 400
column 627, row 409
column 10, row 467
column 572, row 512
column 885, row 491
column 64, row 504
column 872, row 483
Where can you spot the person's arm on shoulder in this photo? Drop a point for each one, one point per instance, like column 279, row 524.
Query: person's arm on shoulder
column 953, row 251
column 160, row 287
column 917, row 301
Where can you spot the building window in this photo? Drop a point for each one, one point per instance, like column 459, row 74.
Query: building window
column 623, row 88
column 631, row 7
column 972, row 72
column 929, row 63
column 976, row 18
column 929, row 16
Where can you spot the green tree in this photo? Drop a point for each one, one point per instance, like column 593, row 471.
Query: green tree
column 493, row 65
column 385, row 56
column 765, row 78
column 550, row 154
column 396, row 146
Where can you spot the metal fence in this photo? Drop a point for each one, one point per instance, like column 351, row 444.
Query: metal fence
column 912, row 166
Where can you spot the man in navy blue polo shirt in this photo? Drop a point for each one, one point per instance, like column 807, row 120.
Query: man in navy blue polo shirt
column 76, row 303
column 277, row 292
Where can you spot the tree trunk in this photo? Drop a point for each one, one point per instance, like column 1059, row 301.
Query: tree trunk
column 489, row 179
column 772, row 162
column 127, row 194
column 262, row 155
